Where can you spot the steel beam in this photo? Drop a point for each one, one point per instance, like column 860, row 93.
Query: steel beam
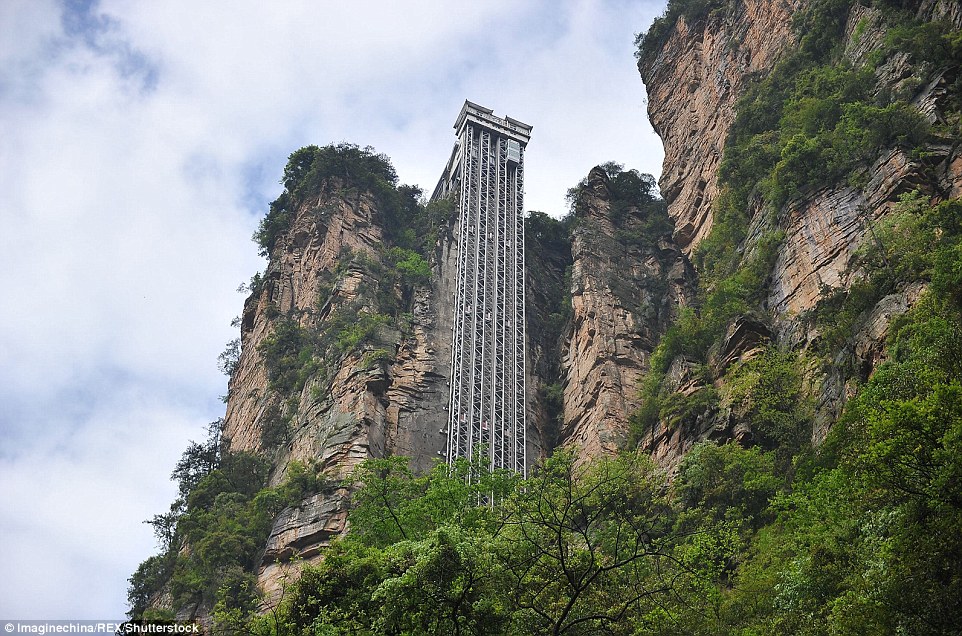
column 487, row 403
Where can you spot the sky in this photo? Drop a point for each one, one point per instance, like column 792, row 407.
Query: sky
column 140, row 144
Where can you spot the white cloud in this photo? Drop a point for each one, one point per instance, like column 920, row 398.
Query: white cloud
column 73, row 504
column 143, row 140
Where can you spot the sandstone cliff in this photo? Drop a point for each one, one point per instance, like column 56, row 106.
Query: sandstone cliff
column 714, row 59
column 627, row 281
column 384, row 394
column 696, row 73
column 693, row 82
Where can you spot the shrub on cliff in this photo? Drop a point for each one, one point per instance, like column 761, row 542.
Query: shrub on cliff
column 406, row 219
column 309, row 168
column 218, row 534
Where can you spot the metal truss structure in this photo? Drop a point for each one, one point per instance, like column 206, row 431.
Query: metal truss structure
column 486, row 410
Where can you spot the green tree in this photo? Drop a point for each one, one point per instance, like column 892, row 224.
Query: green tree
column 392, row 504
column 583, row 545
column 453, row 584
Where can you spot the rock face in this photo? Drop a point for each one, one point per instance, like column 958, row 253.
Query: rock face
column 715, row 59
column 386, row 397
column 669, row 440
column 625, row 290
column 693, row 83
column 825, row 228
column 548, row 313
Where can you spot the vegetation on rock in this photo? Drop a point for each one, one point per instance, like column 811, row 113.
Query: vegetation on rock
column 692, row 11
column 215, row 529
column 860, row 535
column 816, row 120
column 304, row 346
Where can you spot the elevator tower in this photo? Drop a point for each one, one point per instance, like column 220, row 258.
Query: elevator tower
column 486, row 409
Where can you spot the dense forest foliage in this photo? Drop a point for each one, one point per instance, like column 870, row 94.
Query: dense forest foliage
column 860, row 537
column 861, row 534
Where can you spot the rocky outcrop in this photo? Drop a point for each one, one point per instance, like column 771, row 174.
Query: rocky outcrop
column 297, row 537
column 669, row 439
column 693, row 83
column 823, row 232
column 323, row 234
column 625, row 289
column 416, row 399
column 386, row 397
column 743, row 339
column 548, row 314
column 948, row 10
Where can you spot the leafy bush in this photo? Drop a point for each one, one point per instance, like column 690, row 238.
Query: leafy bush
column 224, row 523
column 934, row 45
column 873, row 535
column 148, row 580
column 408, row 222
column 826, row 155
column 821, row 27
column 275, row 425
column 554, row 404
column 723, row 482
column 393, row 504
column 542, row 229
column 416, row 226
column 237, row 601
column 410, row 266
column 680, row 409
column 766, row 391
column 289, row 355
column 685, row 337
column 229, row 358
column 293, row 354
column 352, row 335
column 548, row 254
column 694, row 332
column 865, row 537
column 808, row 125
column 310, row 168
column 628, row 190
column 274, row 224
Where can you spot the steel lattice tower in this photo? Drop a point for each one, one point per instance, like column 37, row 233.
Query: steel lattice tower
column 486, row 410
